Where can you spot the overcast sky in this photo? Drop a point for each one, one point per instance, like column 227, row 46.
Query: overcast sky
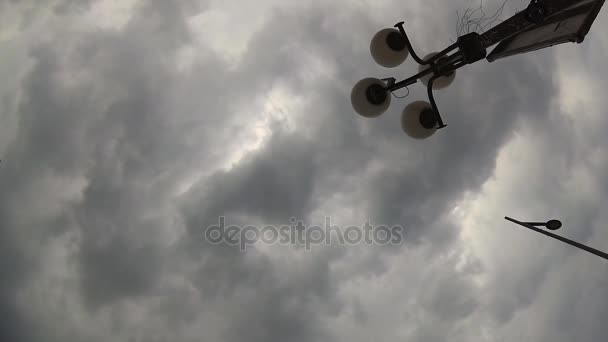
column 127, row 127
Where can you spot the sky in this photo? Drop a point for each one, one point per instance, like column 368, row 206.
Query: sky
column 129, row 127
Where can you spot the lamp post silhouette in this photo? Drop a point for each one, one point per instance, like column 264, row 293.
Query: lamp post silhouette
column 542, row 24
column 555, row 225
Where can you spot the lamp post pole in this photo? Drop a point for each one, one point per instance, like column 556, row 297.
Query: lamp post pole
column 554, row 225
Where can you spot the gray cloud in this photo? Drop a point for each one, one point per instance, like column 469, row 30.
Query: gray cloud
column 119, row 158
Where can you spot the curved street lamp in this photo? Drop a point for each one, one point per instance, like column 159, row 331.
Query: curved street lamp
column 542, row 24
column 555, row 225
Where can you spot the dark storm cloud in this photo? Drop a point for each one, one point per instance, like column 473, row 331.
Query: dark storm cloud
column 292, row 309
column 275, row 185
column 59, row 131
column 129, row 147
column 16, row 265
column 18, row 183
column 269, row 187
column 112, row 112
column 65, row 6
column 55, row 117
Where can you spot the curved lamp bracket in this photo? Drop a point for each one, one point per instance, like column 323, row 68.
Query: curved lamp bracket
column 469, row 48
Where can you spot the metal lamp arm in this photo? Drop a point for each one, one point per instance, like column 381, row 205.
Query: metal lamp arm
column 410, row 48
column 560, row 238
column 429, row 88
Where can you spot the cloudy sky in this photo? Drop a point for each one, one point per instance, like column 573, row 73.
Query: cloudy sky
column 127, row 127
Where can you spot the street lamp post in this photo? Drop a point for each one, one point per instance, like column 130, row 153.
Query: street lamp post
column 554, row 225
